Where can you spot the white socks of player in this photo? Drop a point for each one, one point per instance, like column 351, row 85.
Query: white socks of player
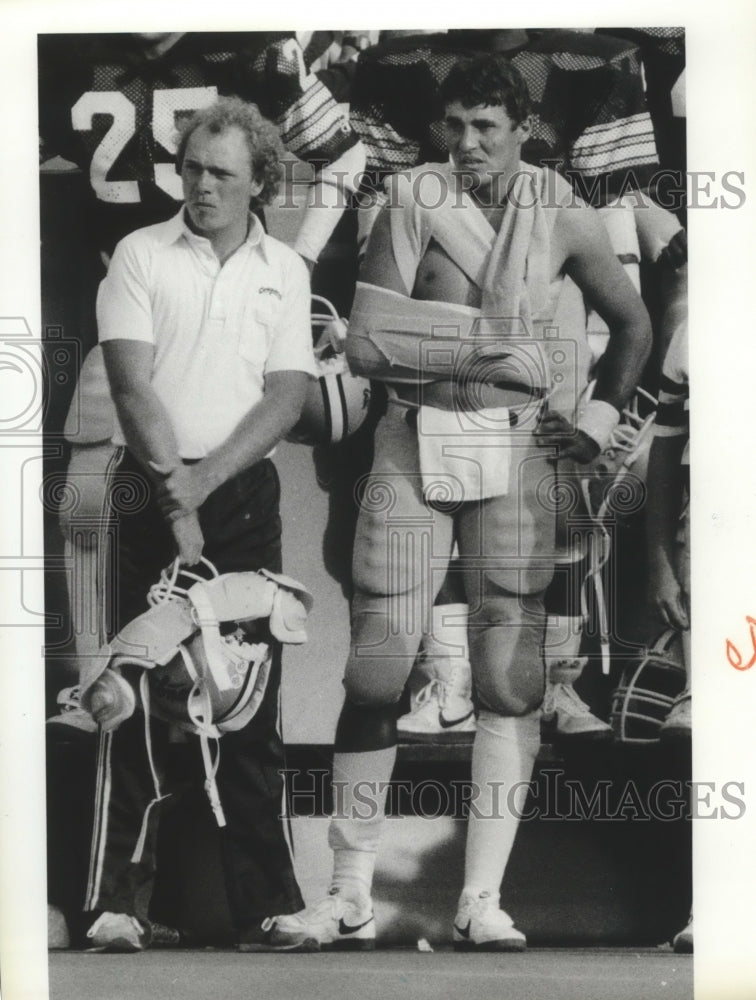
column 360, row 784
column 504, row 752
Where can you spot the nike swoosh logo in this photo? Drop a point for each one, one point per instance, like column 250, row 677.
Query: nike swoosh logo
column 464, row 931
column 452, row 722
column 344, row 928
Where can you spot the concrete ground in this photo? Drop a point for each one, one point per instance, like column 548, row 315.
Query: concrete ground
column 396, row 974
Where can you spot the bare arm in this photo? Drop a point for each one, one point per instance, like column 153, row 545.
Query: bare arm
column 266, row 424
column 589, row 260
column 379, row 266
column 591, row 263
column 147, row 427
column 143, row 418
column 184, row 488
column 660, row 234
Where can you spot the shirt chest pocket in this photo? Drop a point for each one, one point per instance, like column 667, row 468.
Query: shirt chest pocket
column 255, row 334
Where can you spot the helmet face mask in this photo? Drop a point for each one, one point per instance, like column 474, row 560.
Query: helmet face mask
column 647, row 690
column 202, row 654
column 199, row 658
column 176, row 696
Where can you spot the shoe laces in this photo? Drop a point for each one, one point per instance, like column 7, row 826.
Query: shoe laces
column 564, row 696
column 481, row 904
column 330, row 908
column 433, row 687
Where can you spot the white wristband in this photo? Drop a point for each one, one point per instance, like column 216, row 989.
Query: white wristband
column 598, row 419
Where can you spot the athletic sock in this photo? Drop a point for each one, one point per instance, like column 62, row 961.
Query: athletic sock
column 360, row 784
column 504, row 753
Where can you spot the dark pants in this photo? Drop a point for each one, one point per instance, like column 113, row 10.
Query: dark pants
column 242, row 530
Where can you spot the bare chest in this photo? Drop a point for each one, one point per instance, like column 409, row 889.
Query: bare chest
column 440, row 278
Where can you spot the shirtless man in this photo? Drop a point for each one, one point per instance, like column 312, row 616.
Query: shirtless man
column 465, row 269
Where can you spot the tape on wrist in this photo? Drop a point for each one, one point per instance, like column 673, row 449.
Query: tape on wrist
column 598, row 419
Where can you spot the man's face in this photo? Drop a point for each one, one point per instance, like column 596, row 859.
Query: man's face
column 217, row 180
column 483, row 142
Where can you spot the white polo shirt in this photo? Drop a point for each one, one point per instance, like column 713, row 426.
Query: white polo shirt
column 217, row 331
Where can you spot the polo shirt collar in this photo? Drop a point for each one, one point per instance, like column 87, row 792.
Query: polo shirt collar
column 176, row 227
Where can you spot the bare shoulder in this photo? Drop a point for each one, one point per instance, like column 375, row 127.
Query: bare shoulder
column 379, row 266
column 578, row 232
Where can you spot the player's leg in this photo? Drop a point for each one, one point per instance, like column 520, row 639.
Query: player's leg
column 401, row 553
column 507, row 546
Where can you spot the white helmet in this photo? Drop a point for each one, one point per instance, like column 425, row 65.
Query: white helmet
column 200, row 656
column 337, row 404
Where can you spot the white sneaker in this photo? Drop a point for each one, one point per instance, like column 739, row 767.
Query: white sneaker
column 71, row 713
column 481, row 926
column 335, row 923
column 573, row 718
column 117, row 932
column 440, row 708
column 677, row 725
column 682, row 942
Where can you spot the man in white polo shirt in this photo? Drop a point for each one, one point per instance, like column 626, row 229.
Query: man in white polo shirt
column 204, row 323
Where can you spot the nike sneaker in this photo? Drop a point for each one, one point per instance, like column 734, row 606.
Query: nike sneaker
column 481, row 926
column 338, row 923
column 441, row 708
column 563, row 707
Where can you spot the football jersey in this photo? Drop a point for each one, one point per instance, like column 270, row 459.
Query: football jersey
column 663, row 54
column 590, row 120
column 113, row 112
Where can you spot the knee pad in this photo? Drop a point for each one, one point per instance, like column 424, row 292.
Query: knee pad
column 506, row 651
column 366, row 727
column 383, row 650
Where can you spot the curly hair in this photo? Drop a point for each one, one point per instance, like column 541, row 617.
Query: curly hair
column 263, row 141
column 489, row 80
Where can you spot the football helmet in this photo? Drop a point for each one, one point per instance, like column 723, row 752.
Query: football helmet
column 647, row 690
column 337, row 404
column 200, row 656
